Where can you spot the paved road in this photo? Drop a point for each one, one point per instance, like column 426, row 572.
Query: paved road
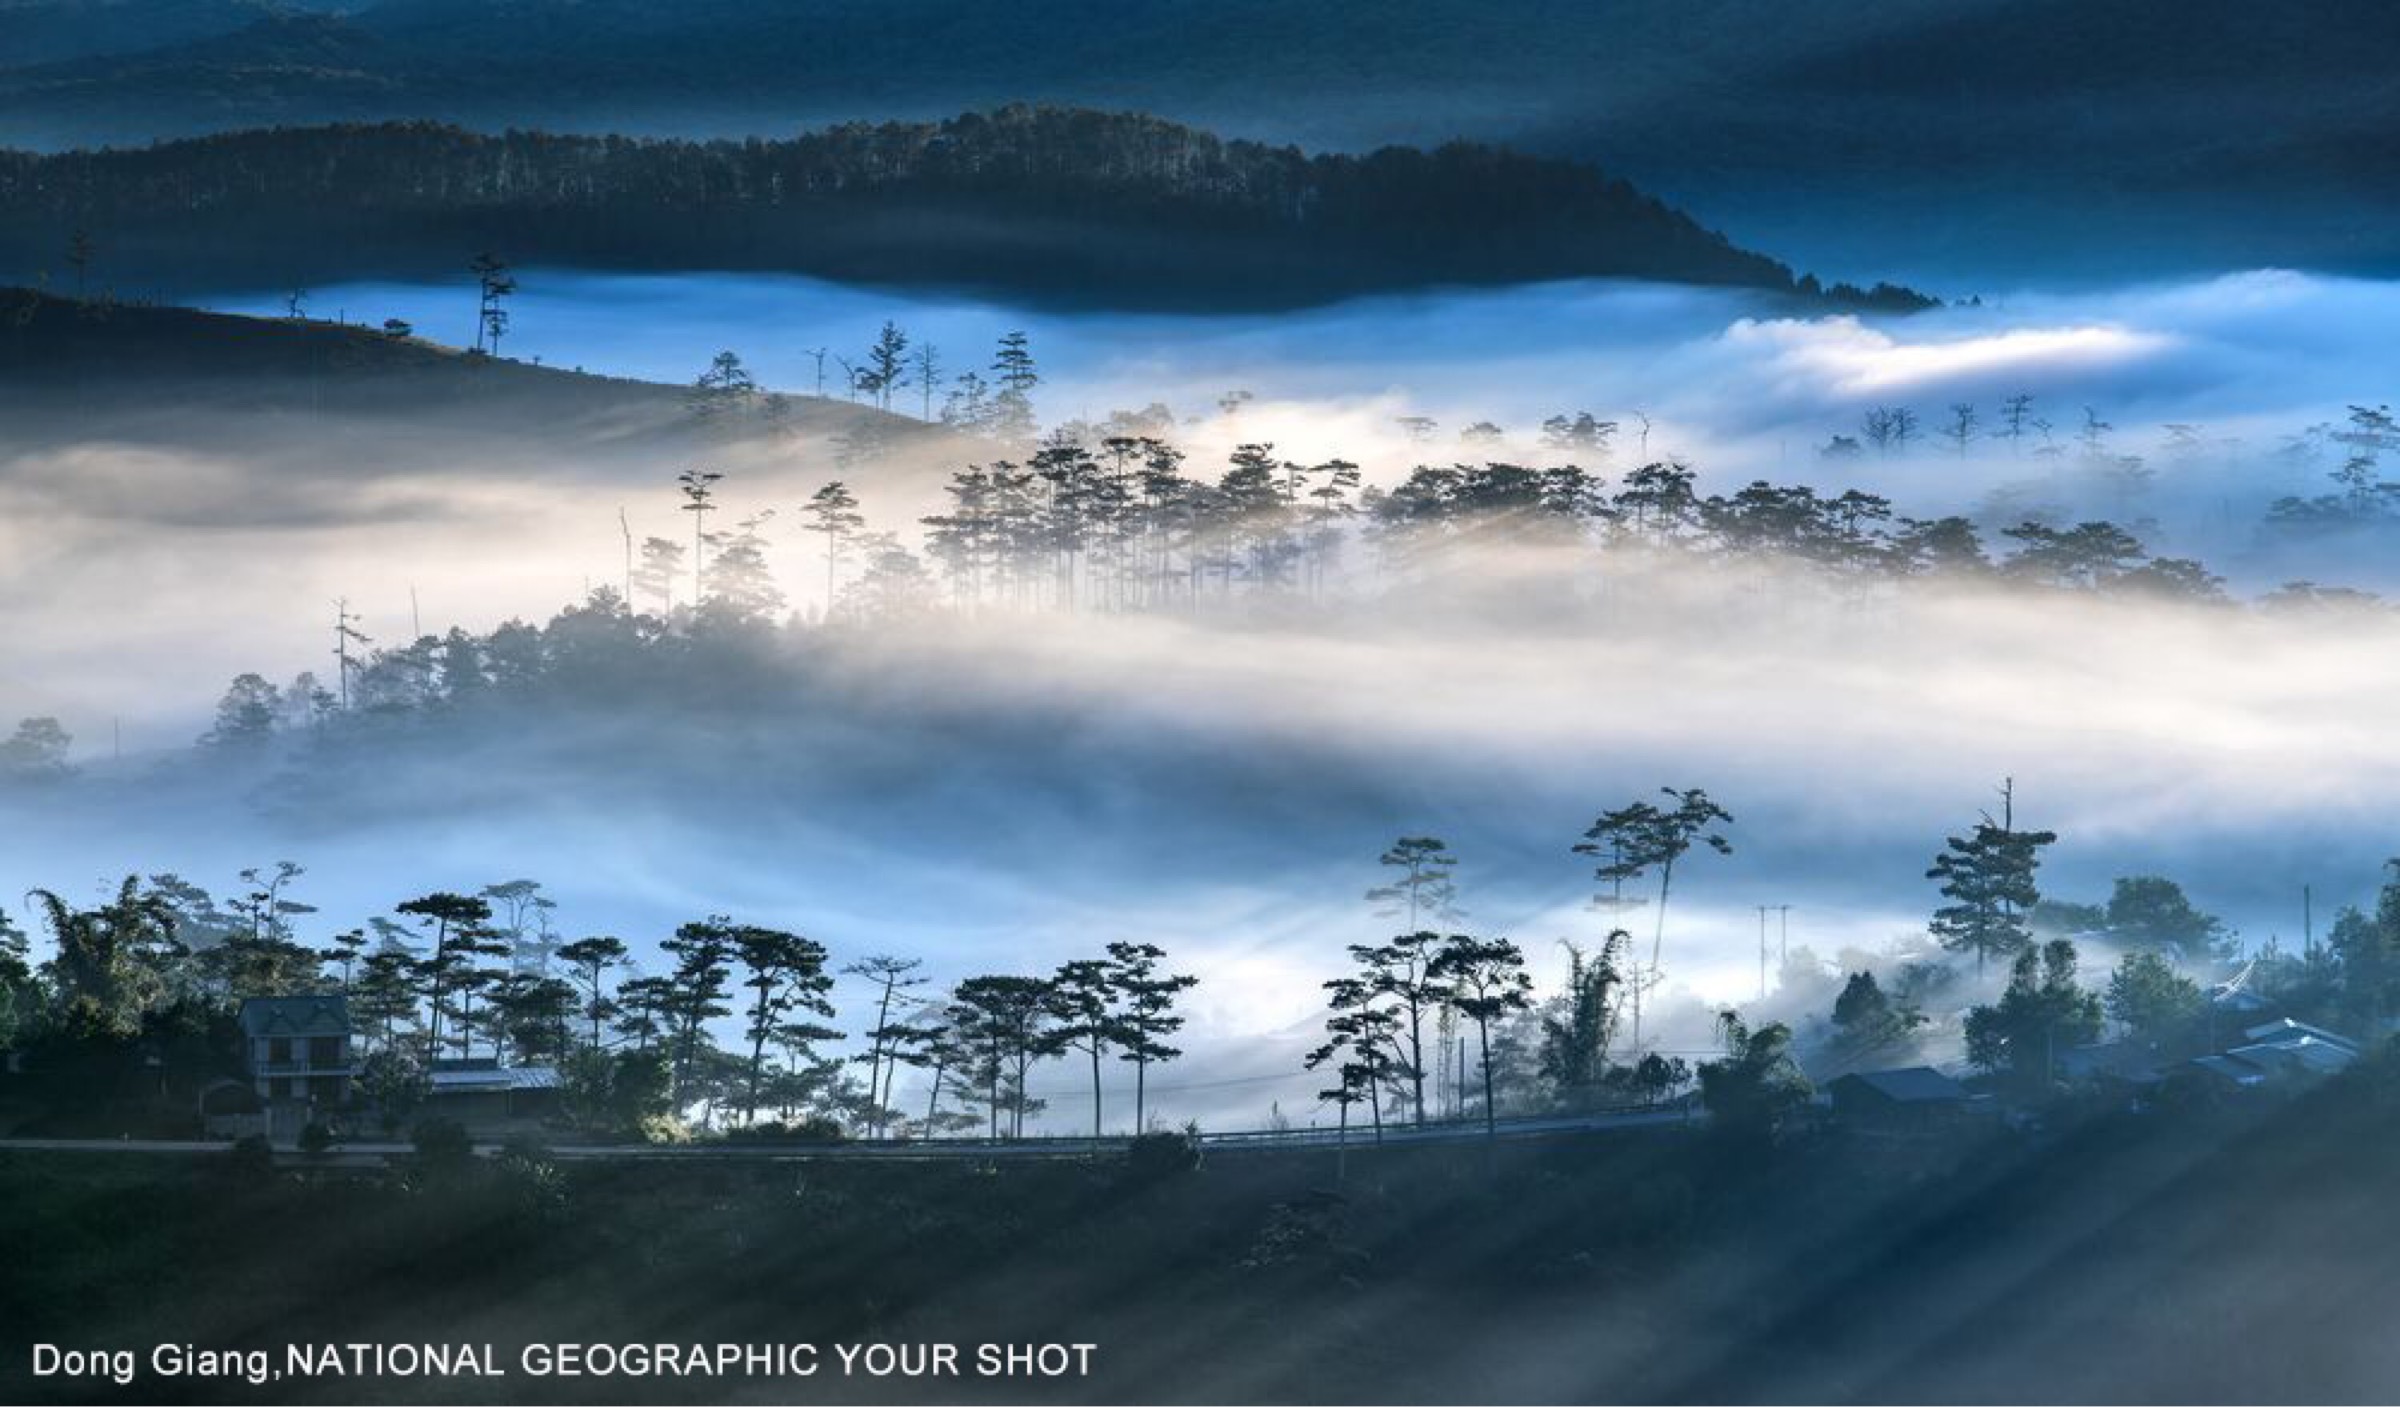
column 948, row 1148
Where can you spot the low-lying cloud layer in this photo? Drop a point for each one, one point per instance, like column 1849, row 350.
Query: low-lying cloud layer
column 1014, row 792
column 1017, row 791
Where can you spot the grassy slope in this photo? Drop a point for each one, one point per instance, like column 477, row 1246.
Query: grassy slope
column 2205, row 1257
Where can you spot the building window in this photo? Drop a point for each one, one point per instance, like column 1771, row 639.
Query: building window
column 325, row 1050
column 279, row 1088
column 279, row 1050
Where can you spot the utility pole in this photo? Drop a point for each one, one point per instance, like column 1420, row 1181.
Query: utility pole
column 626, row 527
column 2308, row 923
column 1762, row 951
column 1783, row 941
column 345, row 634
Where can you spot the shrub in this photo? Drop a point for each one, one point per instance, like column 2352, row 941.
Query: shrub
column 251, row 1154
column 442, row 1143
column 816, row 1128
column 533, row 1180
column 1159, row 1155
column 316, row 1138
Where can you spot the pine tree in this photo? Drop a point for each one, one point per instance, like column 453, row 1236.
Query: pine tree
column 1485, row 979
column 1988, row 877
column 835, row 515
column 1146, row 1013
column 1013, row 378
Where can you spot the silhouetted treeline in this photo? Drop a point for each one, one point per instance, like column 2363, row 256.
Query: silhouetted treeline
column 131, row 1014
column 1125, row 526
column 1067, row 204
column 1127, row 529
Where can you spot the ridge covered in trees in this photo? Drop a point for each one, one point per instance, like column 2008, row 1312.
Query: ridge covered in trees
column 2234, row 135
column 1048, row 203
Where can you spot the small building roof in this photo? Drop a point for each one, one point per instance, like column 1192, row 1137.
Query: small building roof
column 322, row 1015
column 1915, row 1084
column 482, row 1077
column 2287, row 1031
column 2306, row 1053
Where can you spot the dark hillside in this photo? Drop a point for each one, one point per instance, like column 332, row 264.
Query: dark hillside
column 2195, row 1254
column 1052, row 204
column 157, row 372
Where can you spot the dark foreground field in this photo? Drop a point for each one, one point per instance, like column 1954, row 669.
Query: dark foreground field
column 2243, row 1254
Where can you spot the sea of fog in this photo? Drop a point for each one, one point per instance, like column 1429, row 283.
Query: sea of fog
column 2248, row 357
column 1224, row 792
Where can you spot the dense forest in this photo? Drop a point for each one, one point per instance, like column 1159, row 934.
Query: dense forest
column 1057, row 204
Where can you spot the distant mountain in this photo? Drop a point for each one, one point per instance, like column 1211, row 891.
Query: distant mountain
column 1047, row 204
column 1967, row 133
column 34, row 32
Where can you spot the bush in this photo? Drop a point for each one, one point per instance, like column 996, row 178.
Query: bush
column 532, row 1179
column 661, row 1129
column 442, row 1143
column 316, row 1138
column 1160, row 1155
column 251, row 1154
column 816, row 1128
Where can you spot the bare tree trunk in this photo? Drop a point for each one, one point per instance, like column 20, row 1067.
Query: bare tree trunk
column 1416, row 1062
column 1491, row 1110
column 883, row 1008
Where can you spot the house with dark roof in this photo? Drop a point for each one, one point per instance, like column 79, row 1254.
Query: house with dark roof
column 1914, row 1099
column 2288, row 1031
column 2282, row 1050
column 482, row 1093
column 296, row 1051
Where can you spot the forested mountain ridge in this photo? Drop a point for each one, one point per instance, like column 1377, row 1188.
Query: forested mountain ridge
column 1046, row 203
column 1967, row 126
column 37, row 33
